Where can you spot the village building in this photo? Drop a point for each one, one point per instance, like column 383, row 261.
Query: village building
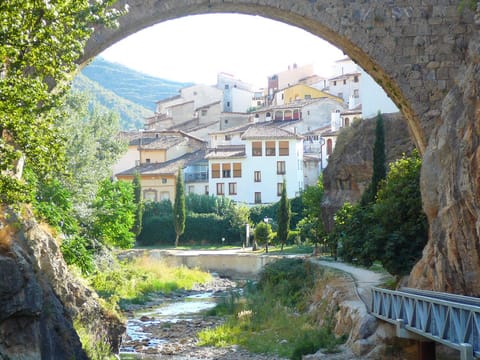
column 249, row 164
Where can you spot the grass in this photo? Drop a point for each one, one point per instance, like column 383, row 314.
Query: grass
column 96, row 348
column 272, row 317
column 290, row 249
column 135, row 281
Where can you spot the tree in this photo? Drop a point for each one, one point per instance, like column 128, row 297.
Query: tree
column 39, row 44
column 263, row 233
column 238, row 218
column 283, row 216
column 137, row 198
column 114, row 214
column 398, row 210
column 379, row 163
column 92, row 146
column 179, row 212
column 312, row 201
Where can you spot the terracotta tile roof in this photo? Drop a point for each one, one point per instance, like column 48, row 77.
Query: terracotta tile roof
column 268, row 132
column 227, row 151
column 167, row 167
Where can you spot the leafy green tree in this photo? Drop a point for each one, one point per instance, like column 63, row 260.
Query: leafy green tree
column 238, row 217
column 179, row 212
column 283, row 217
column 92, row 147
column 39, row 44
column 137, row 198
column 379, row 163
column 114, row 214
column 263, row 234
column 403, row 224
column 312, row 201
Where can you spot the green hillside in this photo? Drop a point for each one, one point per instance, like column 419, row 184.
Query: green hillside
column 132, row 115
column 132, row 85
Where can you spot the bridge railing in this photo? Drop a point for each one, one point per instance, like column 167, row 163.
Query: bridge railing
column 449, row 319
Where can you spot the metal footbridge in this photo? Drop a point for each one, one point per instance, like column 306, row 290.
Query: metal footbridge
column 452, row 320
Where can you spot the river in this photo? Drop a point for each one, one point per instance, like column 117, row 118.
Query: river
column 168, row 329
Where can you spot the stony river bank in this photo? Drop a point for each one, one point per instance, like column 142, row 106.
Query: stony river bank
column 167, row 326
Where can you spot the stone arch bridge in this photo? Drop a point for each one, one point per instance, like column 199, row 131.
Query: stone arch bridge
column 426, row 57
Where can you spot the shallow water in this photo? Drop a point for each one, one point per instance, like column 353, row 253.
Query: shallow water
column 186, row 308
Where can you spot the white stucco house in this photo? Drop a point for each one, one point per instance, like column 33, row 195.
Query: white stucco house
column 251, row 165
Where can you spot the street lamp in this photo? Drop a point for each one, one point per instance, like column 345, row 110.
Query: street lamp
column 265, row 220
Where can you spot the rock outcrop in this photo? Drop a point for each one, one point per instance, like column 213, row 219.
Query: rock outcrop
column 39, row 298
column 350, row 167
column 450, row 184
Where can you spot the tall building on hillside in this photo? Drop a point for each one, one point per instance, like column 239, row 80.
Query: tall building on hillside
column 293, row 75
column 237, row 95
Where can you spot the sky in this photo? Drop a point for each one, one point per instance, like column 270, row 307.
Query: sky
column 196, row 48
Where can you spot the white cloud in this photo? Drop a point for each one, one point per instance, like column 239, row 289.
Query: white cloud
column 196, row 48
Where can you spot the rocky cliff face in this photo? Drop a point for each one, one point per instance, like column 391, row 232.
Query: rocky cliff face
column 350, row 167
column 450, row 184
column 39, row 297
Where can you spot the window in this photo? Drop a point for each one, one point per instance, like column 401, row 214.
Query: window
column 237, row 170
column 228, row 137
column 206, row 189
column 215, row 171
column 258, row 198
column 347, row 122
column 280, row 167
column 329, row 147
column 344, row 82
column 296, row 114
column 270, row 148
column 226, row 121
column 204, row 112
column 283, row 148
column 150, row 195
column 232, row 188
column 220, row 190
column 164, row 195
column 256, row 148
column 308, row 97
column 279, row 189
column 228, row 103
column 147, row 160
column 334, row 83
column 191, row 188
column 355, row 79
column 287, row 115
column 340, row 95
column 226, row 173
column 355, row 93
column 278, row 115
column 257, row 176
column 164, row 180
column 226, row 86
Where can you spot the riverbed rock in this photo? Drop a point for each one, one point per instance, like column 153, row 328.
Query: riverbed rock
column 39, row 298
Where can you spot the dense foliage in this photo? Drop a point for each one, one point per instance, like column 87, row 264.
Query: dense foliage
column 273, row 309
column 39, row 43
column 393, row 229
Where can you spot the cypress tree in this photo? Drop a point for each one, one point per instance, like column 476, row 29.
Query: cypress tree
column 379, row 167
column 283, row 217
column 137, row 198
column 179, row 212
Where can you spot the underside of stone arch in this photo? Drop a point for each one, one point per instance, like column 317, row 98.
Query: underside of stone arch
column 415, row 53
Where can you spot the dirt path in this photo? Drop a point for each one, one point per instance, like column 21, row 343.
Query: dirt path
column 364, row 279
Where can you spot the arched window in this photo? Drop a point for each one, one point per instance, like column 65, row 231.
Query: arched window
column 278, row 115
column 347, row 122
column 287, row 115
column 329, row 147
column 296, row 114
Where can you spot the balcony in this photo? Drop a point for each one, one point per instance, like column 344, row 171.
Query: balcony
column 196, row 177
